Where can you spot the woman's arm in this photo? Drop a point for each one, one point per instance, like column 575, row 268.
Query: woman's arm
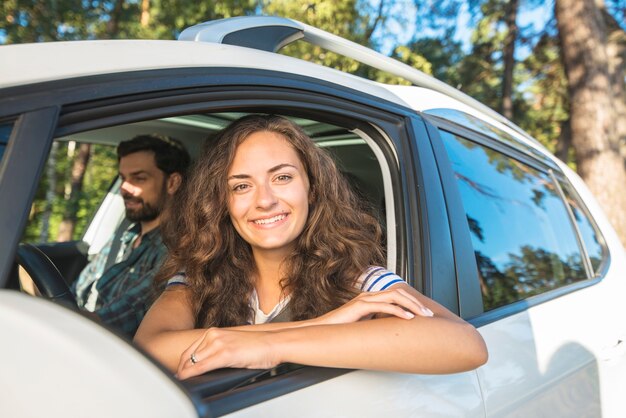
column 168, row 327
column 440, row 344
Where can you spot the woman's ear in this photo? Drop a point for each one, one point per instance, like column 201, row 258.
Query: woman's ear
column 174, row 181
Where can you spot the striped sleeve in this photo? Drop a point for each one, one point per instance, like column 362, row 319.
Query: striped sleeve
column 377, row 278
column 178, row 278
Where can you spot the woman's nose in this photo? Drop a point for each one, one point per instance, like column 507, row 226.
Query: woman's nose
column 265, row 197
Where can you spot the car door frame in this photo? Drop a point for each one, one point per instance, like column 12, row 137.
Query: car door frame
column 20, row 169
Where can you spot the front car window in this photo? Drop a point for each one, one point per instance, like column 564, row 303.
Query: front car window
column 76, row 178
column 523, row 240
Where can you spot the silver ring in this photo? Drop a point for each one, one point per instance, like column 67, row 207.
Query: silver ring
column 193, row 358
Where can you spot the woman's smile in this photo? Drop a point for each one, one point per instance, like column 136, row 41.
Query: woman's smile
column 271, row 221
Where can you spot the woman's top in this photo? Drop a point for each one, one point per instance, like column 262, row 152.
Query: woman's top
column 374, row 279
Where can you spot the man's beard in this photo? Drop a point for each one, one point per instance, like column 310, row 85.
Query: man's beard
column 147, row 212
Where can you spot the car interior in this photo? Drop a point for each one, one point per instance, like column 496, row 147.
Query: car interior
column 353, row 152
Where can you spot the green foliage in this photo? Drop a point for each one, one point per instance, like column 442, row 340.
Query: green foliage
column 341, row 18
column 100, row 173
column 40, row 20
column 547, row 100
column 442, row 55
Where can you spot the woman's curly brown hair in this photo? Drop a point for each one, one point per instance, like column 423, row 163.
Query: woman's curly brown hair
column 339, row 240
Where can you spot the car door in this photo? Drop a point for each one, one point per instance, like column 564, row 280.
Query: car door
column 418, row 239
column 548, row 285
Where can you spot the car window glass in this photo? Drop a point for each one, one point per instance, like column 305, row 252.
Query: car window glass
column 5, row 132
column 469, row 121
column 75, row 178
column 523, row 240
column 591, row 236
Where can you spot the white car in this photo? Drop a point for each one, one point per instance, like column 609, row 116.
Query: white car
column 478, row 215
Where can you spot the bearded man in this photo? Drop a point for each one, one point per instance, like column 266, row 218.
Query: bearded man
column 117, row 284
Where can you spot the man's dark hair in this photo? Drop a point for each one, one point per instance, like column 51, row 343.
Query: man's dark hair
column 169, row 153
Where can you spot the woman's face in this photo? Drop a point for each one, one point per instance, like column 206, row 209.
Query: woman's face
column 268, row 193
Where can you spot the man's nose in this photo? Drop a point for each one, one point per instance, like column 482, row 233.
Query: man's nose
column 265, row 197
column 128, row 188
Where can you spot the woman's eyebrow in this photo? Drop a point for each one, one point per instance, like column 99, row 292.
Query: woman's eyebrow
column 280, row 166
column 271, row 170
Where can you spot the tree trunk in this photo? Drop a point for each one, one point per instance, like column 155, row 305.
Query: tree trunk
column 68, row 224
column 564, row 142
column 145, row 13
column 113, row 25
column 509, row 59
column 51, row 175
column 616, row 55
column 582, row 34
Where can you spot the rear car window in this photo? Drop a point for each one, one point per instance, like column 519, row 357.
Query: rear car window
column 590, row 234
column 523, row 239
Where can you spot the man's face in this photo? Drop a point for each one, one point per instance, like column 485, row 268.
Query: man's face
column 143, row 186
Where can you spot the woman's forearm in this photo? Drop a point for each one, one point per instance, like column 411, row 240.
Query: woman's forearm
column 167, row 346
column 420, row 345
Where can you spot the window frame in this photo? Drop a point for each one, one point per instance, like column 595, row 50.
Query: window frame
column 20, row 171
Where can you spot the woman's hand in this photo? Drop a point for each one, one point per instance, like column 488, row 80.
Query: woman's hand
column 395, row 302
column 218, row 348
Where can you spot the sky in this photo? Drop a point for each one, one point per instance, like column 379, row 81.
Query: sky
column 537, row 17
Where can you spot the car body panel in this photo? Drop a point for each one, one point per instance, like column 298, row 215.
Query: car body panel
column 375, row 394
column 59, row 363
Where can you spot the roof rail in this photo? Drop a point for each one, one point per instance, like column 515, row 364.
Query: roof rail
column 271, row 33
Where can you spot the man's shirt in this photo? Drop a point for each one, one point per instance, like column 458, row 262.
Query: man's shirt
column 122, row 294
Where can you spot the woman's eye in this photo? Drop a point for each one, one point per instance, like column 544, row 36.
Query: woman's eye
column 283, row 177
column 239, row 187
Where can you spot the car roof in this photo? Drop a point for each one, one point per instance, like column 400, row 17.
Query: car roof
column 39, row 62
column 26, row 64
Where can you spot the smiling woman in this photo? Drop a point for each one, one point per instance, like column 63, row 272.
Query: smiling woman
column 268, row 207
column 267, row 230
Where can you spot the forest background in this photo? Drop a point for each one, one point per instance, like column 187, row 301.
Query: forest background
column 562, row 79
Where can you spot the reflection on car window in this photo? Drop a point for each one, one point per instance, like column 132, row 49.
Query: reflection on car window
column 5, row 132
column 469, row 121
column 523, row 240
column 591, row 236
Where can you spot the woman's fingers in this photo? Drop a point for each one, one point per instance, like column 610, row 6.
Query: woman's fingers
column 370, row 308
column 226, row 348
column 397, row 302
column 398, row 297
column 191, row 356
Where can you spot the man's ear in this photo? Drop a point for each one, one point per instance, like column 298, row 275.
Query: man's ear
column 174, row 181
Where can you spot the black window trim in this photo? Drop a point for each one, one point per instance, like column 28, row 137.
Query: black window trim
column 468, row 294
column 22, row 164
